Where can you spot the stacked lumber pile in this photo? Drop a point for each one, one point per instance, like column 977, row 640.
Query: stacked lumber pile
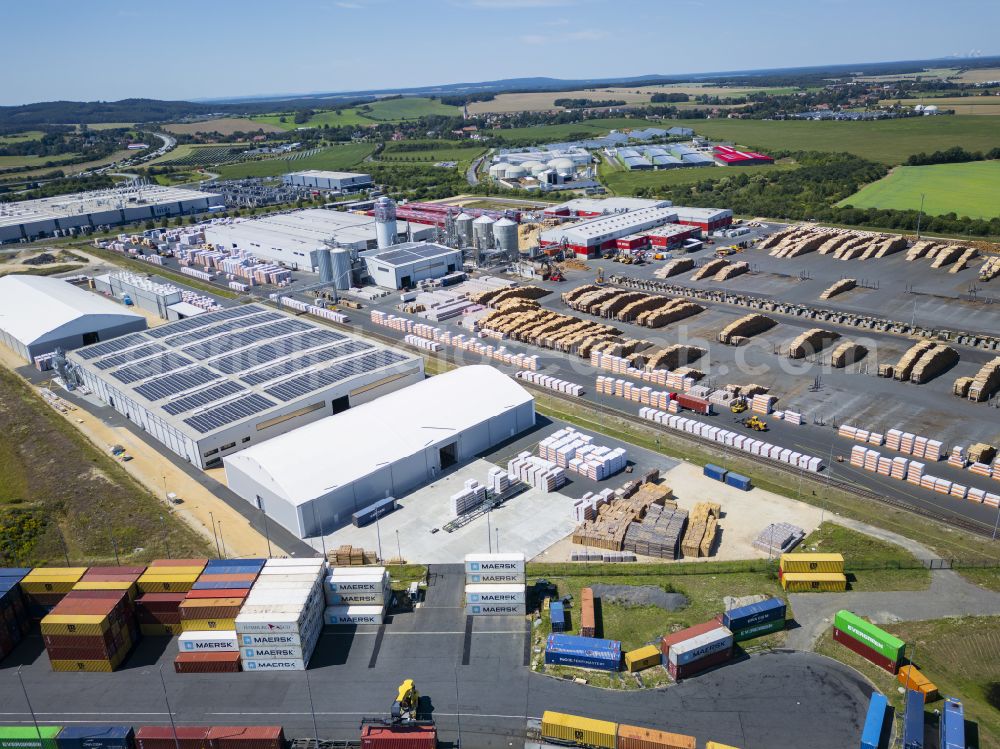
column 844, row 284
column 745, row 327
column 674, row 267
column 904, row 367
column 702, row 528
column 920, row 249
column 494, row 297
column 648, row 310
column 674, row 356
column 670, row 311
column 990, row 269
column 961, row 387
column 525, row 321
column 986, row 382
column 932, row 363
column 847, row 353
column 834, row 242
column 964, row 259
column 778, row 237
column 709, row 269
column 732, row 270
column 608, row 529
column 982, row 453
column 947, row 255
column 811, row 342
column 347, row 556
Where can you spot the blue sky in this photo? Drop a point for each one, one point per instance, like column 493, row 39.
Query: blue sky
column 186, row 49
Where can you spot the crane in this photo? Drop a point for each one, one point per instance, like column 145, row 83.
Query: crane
column 404, row 709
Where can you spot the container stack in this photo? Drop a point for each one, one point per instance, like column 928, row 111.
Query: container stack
column 696, row 648
column 96, row 737
column 208, row 643
column 868, row 641
column 495, row 585
column 282, row 618
column 14, row 620
column 44, row 587
column 125, row 579
column 911, row 678
column 159, row 613
column 801, row 573
column 356, row 595
column 557, row 616
column 163, row 587
column 168, row 737
column 583, row 652
column 755, row 619
column 171, row 575
column 90, row 630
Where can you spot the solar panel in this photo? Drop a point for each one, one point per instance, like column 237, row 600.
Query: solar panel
column 304, row 362
column 342, row 370
column 164, row 387
column 227, row 413
column 238, row 339
column 257, row 355
column 110, row 347
column 158, row 365
column 202, row 397
column 206, row 318
column 129, row 356
column 225, row 326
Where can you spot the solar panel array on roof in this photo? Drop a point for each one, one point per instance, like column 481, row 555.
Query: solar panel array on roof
column 178, row 382
column 227, row 342
column 117, row 344
column 223, row 327
column 302, row 362
column 412, row 254
column 257, row 355
column 227, row 413
column 135, row 354
column 157, row 365
column 200, row 321
column 203, row 397
column 306, row 383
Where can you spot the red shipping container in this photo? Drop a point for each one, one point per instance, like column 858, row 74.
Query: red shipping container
column 698, row 405
column 162, row 737
column 158, row 617
column 112, row 571
column 220, row 593
column 224, row 609
column 686, row 634
column 246, row 737
column 694, row 667
column 398, row 737
column 79, row 641
column 207, row 663
column 864, row 651
column 160, row 601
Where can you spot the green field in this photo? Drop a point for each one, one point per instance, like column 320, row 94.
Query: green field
column 392, row 110
column 335, row 158
column 432, row 152
column 887, row 141
column 23, row 137
column 584, row 129
column 16, row 162
column 901, row 570
column 969, row 189
column 346, row 118
column 623, row 182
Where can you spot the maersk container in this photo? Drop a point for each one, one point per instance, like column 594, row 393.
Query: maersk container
column 742, row 617
column 913, row 722
column 373, row 512
column 374, row 598
column 868, row 634
column 264, row 640
column 715, row 472
column 695, row 667
column 353, row 615
column 759, row 630
column 871, row 734
column 495, row 594
column 701, row 646
column 207, row 642
column 95, row 737
column 495, row 578
column 290, row 664
column 952, row 725
column 276, row 653
column 738, row 481
column 495, row 609
column 479, row 563
column 557, row 613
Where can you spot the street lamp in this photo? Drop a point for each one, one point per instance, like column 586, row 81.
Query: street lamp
column 222, row 541
column 218, row 548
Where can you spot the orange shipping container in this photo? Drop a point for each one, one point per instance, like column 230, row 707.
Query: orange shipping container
column 635, row 737
column 911, row 678
column 588, row 627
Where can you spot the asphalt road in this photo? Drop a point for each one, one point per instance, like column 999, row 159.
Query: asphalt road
column 477, row 687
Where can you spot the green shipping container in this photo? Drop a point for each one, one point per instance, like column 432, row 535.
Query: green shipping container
column 868, row 634
column 26, row 737
column 759, row 630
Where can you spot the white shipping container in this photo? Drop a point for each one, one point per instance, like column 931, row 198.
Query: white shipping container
column 275, row 653
column 334, row 615
column 700, row 646
column 356, row 585
column 315, row 563
column 289, row 664
column 271, row 640
column 360, row 598
column 494, row 593
column 475, row 563
column 492, row 578
column 495, row 609
column 207, row 641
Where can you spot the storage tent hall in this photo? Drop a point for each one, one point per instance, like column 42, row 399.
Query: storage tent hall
column 312, row 479
column 39, row 315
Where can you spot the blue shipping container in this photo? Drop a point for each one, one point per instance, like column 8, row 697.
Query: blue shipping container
column 738, row 481
column 913, row 726
column 583, row 644
column 871, row 734
column 244, row 565
column 755, row 613
column 95, row 737
column 952, row 725
column 378, row 510
column 715, row 472
column 557, row 613
column 223, row 585
column 15, row 572
column 606, row 662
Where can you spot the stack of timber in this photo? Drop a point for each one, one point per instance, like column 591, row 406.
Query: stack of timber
column 745, row 327
column 648, row 310
column 932, row 363
column 843, row 285
column 986, row 382
column 904, row 367
column 494, row 297
column 351, row 556
column 990, row 269
column 732, row 270
column 964, row 259
column 701, row 530
column 674, row 267
column 709, row 269
column 847, row 353
column 811, row 342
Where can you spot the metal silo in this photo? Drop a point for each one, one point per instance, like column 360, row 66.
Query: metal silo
column 505, row 234
column 341, row 267
column 385, row 222
column 482, row 229
column 463, row 226
column 325, row 265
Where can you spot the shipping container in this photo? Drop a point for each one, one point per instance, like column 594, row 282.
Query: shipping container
column 272, row 653
column 494, row 594
column 374, row 511
column 701, row 646
column 759, row 630
column 208, row 625
column 479, row 563
column 871, row 733
column 912, row 679
column 203, row 642
column 557, row 615
column 165, row 737
column 635, row 737
column 287, row 664
column 573, row 729
column 207, row 663
column 742, row 617
column 952, row 725
column 642, row 658
column 913, row 721
column 864, row 651
column 715, row 472
column 95, row 737
column 28, row 737
column 813, row 582
column 717, row 745
column 686, row 634
column 588, row 620
column 495, row 609
column 398, row 737
column 246, row 737
column 811, row 563
column 867, row 633
column 738, row 481
column 683, row 671
column 353, row 615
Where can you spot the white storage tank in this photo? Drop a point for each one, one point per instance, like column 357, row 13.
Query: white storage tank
column 324, row 265
column 562, row 165
column 516, row 171
column 505, row 234
column 499, row 171
column 463, row 225
column 341, row 268
column 385, row 222
column 482, row 229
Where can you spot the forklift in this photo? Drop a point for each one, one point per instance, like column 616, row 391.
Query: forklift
column 755, row 423
column 738, row 406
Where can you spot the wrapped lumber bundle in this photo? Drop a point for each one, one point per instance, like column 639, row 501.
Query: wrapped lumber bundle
column 844, row 284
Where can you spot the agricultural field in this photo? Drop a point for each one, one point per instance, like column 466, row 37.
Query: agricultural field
column 886, row 141
column 202, row 156
column 24, row 137
column 979, row 75
column 223, row 126
column 30, row 160
column 968, row 189
column 433, row 152
column 571, row 131
column 623, row 182
column 963, row 105
column 346, row 118
column 408, row 108
column 108, row 125
column 925, row 74
column 334, row 158
column 391, row 110
column 49, row 477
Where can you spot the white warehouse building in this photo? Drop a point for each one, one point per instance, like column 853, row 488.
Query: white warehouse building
column 313, row 479
column 326, row 180
column 39, row 314
column 401, row 266
column 295, row 238
column 210, row 385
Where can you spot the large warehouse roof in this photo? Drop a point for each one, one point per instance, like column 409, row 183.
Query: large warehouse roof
column 212, row 371
column 34, row 309
column 408, row 253
column 325, row 174
column 339, row 450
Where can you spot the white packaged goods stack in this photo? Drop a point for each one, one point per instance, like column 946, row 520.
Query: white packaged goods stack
column 763, row 404
column 282, row 618
column 197, row 274
column 356, row 595
column 421, row 342
column 497, row 480
column 494, row 585
column 586, row 508
column 568, row 448
column 552, row 383
column 957, row 457
column 469, row 498
column 327, row 314
column 537, row 472
column 793, row 417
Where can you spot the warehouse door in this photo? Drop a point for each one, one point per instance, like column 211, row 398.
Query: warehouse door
column 90, row 338
column 448, row 455
column 405, row 281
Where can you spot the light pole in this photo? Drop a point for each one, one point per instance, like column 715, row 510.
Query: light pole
column 31, row 710
column 170, row 714
column 267, row 534
column 458, row 710
column 218, row 548
column 489, row 532
column 222, row 541
column 497, row 531
column 399, row 549
column 312, row 706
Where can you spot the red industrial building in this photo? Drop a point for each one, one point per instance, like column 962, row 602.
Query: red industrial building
column 436, row 214
column 589, row 238
column 666, row 237
column 726, row 156
column 706, row 219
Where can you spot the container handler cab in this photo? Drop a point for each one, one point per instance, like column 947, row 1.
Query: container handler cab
column 404, row 709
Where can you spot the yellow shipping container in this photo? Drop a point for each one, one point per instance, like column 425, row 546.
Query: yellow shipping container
column 574, row 729
column 90, row 666
column 911, row 678
column 52, row 579
column 812, row 563
column 642, row 658
column 200, row 625
column 75, row 624
column 88, row 585
column 804, row 582
column 717, row 745
column 58, row 573
column 186, row 570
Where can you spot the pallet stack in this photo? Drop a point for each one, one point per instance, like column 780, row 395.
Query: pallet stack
column 701, row 529
column 658, row 534
column 778, row 538
column 347, row 555
column 763, row 404
column 537, row 472
column 470, row 497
